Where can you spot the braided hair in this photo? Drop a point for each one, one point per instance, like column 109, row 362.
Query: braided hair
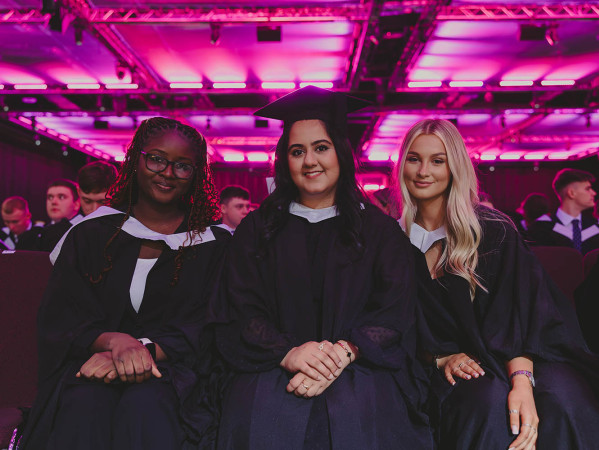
column 200, row 201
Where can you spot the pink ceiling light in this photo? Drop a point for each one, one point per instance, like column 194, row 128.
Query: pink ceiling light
column 121, row 86
column 424, row 84
column 558, row 83
column 228, row 85
column 233, row 156
column 536, row 156
column 511, row 156
column 187, row 85
column 515, row 83
column 83, row 86
column 258, row 157
column 320, row 84
column 488, row 157
column 278, row 85
column 31, row 86
column 466, row 84
column 378, row 156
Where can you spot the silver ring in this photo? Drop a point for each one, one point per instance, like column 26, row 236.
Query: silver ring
column 304, row 385
column 460, row 365
column 529, row 426
column 513, row 411
column 321, row 346
column 469, row 361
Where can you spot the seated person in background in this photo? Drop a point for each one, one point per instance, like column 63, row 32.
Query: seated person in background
column 569, row 227
column 62, row 206
column 531, row 208
column 382, row 200
column 94, row 180
column 17, row 218
column 485, row 199
column 234, row 206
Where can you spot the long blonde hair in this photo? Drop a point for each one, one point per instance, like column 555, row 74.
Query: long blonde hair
column 460, row 255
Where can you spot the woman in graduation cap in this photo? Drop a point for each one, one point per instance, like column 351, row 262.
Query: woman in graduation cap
column 321, row 299
column 494, row 325
column 122, row 340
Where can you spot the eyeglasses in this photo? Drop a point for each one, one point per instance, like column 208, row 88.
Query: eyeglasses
column 157, row 164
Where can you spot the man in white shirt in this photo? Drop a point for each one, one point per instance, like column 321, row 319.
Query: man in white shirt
column 234, row 206
column 17, row 220
column 573, row 224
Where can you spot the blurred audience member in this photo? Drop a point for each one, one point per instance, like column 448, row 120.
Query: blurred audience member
column 94, row 180
column 532, row 207
column 485, row 199
column 569, row 227
column 62, row 206
column 234, row 206
column 17, row 218
column 382, row 199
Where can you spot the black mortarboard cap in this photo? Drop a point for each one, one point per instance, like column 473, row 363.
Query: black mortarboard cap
column 312, row 102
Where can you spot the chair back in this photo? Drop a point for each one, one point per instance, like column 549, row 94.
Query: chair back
column 564, row 265
column 23, row 279
column 590, row 259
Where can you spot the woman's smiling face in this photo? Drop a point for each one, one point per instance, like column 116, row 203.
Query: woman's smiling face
column 313, row 163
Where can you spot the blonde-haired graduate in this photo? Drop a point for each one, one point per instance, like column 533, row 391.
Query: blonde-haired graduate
column 509, row 367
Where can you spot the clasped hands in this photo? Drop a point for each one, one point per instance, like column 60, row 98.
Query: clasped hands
column 315, row 365
column 127, row 359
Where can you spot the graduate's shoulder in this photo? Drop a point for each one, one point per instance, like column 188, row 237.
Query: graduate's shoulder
column 496, row 226
column 373, row 218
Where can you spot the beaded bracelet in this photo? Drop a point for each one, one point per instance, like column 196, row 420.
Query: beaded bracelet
column 346, row 349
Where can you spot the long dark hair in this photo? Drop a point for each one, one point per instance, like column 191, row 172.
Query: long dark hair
column 349, row 197
column 199, row 202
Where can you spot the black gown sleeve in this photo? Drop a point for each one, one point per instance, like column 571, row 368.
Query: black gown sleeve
column 250, row 341
column 385, row 329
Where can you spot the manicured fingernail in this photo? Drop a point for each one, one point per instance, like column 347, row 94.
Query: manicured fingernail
column 512, row 448
column 514, row 429
column 475, row 375
column 468, row 377
column 340, row 364
column 453, row 383
column 482, row 372
column 318, row 378
column 337, row 373
column 330, row 377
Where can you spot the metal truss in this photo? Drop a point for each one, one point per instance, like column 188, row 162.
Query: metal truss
column 520, row 12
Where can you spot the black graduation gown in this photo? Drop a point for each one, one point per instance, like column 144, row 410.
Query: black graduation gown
column 74, row 313
column 551, row 233
column 587, row 307
column 523, row 313
column 368, row 300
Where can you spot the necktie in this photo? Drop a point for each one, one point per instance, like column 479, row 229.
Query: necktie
column 576, row 236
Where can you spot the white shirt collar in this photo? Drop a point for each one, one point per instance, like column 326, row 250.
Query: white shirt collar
column 565, row 218
column 224, row 226
column 423, row 239
column 312, row 215
column 137, row 229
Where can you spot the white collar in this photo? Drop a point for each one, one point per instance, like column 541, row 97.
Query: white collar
column 224, row 226
column 75, row 220
column 565, row 218
column 137, row 229
column 313, row 215
column 423, row 239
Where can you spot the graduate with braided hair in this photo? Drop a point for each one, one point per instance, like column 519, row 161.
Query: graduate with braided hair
column 122, row 335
